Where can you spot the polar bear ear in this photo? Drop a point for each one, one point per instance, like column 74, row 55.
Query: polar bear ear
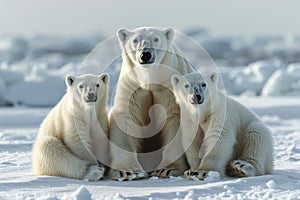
column 175, row 79
column 70, row 80
column 169, row 33
column 105, row 78
column 123, row 34
column 213, row 77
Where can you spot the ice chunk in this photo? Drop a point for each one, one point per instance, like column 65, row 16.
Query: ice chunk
column 118, row 196
column 213, row 176
column 80, row 194
column 271, row 184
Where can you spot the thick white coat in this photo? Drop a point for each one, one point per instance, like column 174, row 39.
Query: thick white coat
column 144, row 103
column 73, row 135
column 221, row 130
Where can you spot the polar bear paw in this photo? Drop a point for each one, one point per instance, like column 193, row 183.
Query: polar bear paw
column 166, row 173
column 127, row 175
column 95, row 173
column 240, row 168
column 202, row 175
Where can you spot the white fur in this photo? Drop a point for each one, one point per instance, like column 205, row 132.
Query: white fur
column 220, row 129
column 139, row 88
column 72, row 136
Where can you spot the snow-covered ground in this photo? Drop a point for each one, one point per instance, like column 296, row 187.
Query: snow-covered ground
column 19, row 126
column 255, row 70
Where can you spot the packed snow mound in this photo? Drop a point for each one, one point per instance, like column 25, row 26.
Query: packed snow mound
column 82, row 193
column 250, row 79
column 271, row 184
column 284, row 82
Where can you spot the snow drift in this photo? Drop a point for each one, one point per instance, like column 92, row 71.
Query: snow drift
column 32, row 70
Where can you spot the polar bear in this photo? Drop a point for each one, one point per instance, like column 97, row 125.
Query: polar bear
column 72, row 138
column 229, row 138
column 145, row 105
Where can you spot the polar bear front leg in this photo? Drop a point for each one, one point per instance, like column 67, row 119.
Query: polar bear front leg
column 173, row 161
column 173, row 158
column 126, row 167
column 125, row 136
column 192, row 139
column 217, row 151
column 124, row 164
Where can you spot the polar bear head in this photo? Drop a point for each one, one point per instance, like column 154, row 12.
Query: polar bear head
column 145, row 46
column 88, row 88
column 194, row 88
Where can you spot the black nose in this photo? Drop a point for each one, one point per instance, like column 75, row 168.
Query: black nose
column 146, row 57
column 199, row 98
column 91, row 96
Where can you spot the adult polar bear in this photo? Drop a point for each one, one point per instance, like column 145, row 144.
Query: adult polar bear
column 73, row 135
column 150, row 58
column 229, row 138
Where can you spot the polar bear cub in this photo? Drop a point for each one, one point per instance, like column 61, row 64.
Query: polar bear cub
column 227, row 138
column 72, row 138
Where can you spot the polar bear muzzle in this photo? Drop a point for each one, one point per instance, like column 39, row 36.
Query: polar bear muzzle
column 197, row 99
column 147, row 56
column 91, row 97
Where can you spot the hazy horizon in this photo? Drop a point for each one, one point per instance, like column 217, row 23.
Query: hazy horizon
column 75, row 17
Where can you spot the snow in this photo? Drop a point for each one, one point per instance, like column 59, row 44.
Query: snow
column 261, row 72
column 250, row 79
column 284, row 82
column 37, row 93
column 257, row 66
column 41, row 87
column 271, row 184
column 80, row 194
column 19, row 126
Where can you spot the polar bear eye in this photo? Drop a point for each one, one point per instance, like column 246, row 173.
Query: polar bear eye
column 187, row 86
column 203, row 85
column 97, row 85
column 80, row 86
column 155, row 39
column 135, row 41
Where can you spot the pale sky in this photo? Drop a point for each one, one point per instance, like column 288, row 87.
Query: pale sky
column 84, row 17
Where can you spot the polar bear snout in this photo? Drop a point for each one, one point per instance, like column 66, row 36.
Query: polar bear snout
column 197, row 95
column 197, row 99
column 91, row 97
column 147, row 56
